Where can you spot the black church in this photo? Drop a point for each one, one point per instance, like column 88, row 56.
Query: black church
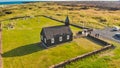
column 56, row 34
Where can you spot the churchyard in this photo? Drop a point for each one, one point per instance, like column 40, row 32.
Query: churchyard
column 21, row 44
column 21, row 37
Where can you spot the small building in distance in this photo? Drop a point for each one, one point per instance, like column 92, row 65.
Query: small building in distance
column 56, row 34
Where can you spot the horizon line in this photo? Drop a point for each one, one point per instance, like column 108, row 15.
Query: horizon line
column 54, row 0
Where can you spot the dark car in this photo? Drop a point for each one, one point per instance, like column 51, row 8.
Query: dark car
column 117, row 35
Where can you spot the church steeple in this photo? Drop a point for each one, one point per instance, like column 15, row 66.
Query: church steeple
column 67, row 22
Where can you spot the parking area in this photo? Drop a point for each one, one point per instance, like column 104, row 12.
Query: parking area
column 107, row 33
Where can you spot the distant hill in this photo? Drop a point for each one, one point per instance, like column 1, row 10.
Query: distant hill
column 111, row 5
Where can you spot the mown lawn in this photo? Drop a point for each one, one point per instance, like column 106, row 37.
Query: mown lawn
column 107, row 59
column 21, row 47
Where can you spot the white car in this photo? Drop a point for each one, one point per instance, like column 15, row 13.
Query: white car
column 116, row 28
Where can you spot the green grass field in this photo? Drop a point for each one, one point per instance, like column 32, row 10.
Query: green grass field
column 21, row 45
column 92, row 17
column 107, row 59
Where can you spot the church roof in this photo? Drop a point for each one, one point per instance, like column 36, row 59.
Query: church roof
column 50, row 32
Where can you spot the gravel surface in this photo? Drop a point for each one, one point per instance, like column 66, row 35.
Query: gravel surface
column 107, row 33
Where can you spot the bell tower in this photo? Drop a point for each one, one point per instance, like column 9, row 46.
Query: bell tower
column 67, row 21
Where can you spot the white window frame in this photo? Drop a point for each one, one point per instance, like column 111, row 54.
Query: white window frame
column 52, row 40
column 68, row 37
column 60, row 38
column 45, row 40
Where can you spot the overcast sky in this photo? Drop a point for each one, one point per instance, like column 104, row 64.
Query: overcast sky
column 56, row 0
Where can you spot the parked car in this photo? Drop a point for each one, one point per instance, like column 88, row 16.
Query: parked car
column 117, row 35
column 116, row 28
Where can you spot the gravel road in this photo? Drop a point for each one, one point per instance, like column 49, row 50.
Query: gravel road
column 107, row 33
